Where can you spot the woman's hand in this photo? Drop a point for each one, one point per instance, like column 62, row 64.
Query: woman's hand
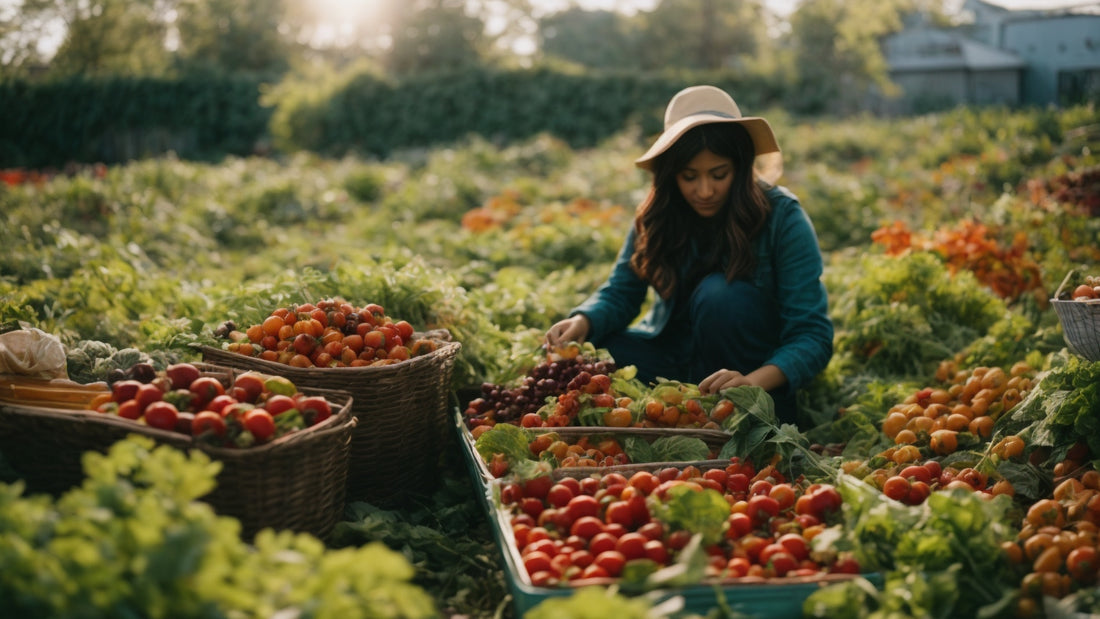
column 768, row 377
column 572, row 329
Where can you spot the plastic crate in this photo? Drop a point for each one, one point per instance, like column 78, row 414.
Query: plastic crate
column 778, row 598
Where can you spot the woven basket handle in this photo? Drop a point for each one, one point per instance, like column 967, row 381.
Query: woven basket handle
column 1058, row 293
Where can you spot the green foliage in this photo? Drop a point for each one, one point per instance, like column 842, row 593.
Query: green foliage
column 134, row 541
column 122, row 118
column 941, row 558
column 591, row 603
column 445, row 539
column 903, row 316
column 1061, row 410
column 362, row 113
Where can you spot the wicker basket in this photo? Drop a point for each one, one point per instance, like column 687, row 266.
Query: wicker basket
column 296, row 482
column 402, row 417
column 1080, row 323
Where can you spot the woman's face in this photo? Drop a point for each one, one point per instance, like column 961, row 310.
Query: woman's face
column 705, row 182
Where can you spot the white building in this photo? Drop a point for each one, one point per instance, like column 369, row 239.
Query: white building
column 1000, row 56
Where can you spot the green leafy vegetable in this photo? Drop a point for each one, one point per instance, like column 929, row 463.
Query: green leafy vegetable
column 703, row 511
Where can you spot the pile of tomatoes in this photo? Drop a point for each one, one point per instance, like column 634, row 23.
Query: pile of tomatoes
column 330, row 333
column 254, row 408
column 576, row 529
column 1057, row 550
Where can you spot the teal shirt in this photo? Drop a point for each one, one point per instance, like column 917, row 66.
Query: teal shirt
column 789, row 269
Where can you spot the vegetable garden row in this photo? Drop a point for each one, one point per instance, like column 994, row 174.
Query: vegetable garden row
column 944, row 464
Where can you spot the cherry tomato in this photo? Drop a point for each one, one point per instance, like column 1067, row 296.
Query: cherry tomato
column 611, row 561
column 632, row 546
column 260, row 424
column 1082, row 563
column 162, row 415
column 208, row 421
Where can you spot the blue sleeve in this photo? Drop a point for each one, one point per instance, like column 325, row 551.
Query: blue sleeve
column 806, row 337
column 619, row 300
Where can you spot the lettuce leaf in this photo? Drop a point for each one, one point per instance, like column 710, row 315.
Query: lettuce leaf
column 703, row 511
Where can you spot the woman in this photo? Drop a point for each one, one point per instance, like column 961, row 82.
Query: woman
column 733, row 261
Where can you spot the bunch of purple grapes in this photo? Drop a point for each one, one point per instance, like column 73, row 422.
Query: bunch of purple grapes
column 504, row 404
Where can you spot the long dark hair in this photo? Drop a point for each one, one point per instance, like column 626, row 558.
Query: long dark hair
column 665, row 222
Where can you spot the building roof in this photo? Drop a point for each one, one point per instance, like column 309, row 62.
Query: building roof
column 928, row 49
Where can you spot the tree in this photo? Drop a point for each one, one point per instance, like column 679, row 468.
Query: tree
column 435, row 35
column 232, row 35
column 106, row 37
column 838, row 60
column 598, row 39
column 701, row 34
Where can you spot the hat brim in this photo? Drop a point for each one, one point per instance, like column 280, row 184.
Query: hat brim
column 763, row 138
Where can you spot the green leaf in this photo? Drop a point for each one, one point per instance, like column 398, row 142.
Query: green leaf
column 690, row 508
column 504, row 438
column 639, row 450
column 680, row 449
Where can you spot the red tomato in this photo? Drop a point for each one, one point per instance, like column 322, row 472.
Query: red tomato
column 124, row 390
column 147, row 394
column 278, row 404
column 206, row 388
column 611, row 561
column 751, row 545
column 219, row 402
column 538, row 487
column 619, row 512
column 572, row 484
column 678, row 539
column 656, row 551
column 917, row 472
column 162, row 415
column 559, row 495
column 652, row 530
column 896, row 487
column 208, row 421
column 632, row 546
column 782, row 562
column 644, row 481
column 260, row 424
column 520, row 533
column 737, row 482
column 826, row 499
column 934, row 469
column 314, row 409
column 784, row 494
column 594, row 571
column 761, row 508
column 537, row 561
column 586, row 527
column 760, row 486
column 510, row 493
column 1082, row 563
column 546, row 545
column 531, row 506
column 589, row 486
column 795, row 544
column 740, row 525
column 583, row 505
column 129, row 409
column 581, row 558
column 602, row 542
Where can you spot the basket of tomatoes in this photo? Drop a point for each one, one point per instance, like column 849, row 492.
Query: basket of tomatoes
column 1077, row 303
column 399, row 379
column 283, row 450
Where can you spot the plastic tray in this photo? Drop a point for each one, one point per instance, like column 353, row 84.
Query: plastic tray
column 776, row 599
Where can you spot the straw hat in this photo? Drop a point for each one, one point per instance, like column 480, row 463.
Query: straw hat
column 700, row 105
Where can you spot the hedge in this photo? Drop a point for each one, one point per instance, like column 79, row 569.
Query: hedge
column 112, row 120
